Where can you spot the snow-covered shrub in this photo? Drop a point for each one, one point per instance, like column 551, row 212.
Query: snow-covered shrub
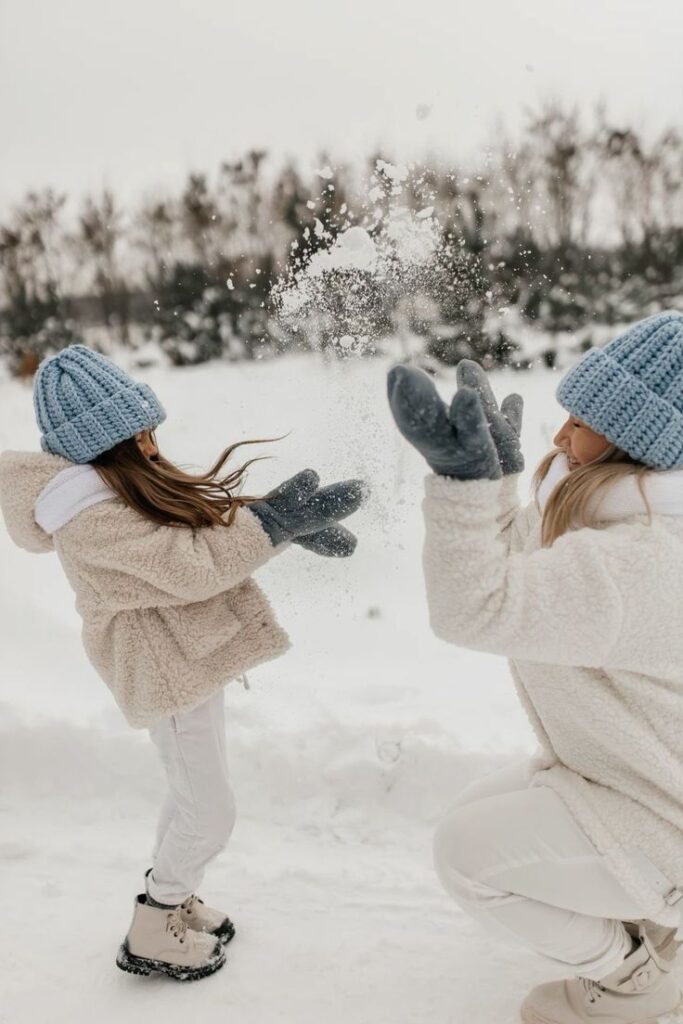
column 24, row 353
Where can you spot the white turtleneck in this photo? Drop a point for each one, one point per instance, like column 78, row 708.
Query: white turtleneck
column 68, row 493
column 622, row 499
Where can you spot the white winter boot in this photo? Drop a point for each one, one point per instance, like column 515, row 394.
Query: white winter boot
column 641, row 989
column 201, row 918
column 160, row 940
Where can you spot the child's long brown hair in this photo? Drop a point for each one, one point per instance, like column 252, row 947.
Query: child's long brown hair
column 569, row 502
column 166, row 494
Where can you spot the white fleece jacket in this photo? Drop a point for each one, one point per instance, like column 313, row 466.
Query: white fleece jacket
column 169, row 613
column 593, row 630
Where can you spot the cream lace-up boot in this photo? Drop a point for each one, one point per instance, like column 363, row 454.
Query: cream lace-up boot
column 201, row 918
column 640, row 990
column 160, row 940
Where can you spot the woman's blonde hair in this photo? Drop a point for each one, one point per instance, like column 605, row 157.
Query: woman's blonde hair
column 166, row 494
column 569, row 503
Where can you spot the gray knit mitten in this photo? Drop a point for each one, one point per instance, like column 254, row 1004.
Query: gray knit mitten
column 301, row 511
column 505, row 423
column 455, row 441
column 334, row 542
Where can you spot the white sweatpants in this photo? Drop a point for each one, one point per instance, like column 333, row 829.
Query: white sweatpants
column 198, row 814
column 514, row 858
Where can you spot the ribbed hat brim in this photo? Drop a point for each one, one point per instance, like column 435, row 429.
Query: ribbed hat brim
column 104, row 425
column 601, row 392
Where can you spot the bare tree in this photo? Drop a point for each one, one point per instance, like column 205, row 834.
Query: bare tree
column 200, row 219
column 33, row 272
column 100, row 231
column 562, row 177
column 156, row 235
column 33, row 262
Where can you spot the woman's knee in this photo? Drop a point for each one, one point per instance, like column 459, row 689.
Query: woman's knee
column 508, row 779
column 468, row 845
column 452, row 849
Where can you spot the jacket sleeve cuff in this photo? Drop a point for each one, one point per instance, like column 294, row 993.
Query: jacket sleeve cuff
column 255, row 528
column 466, row 499
column 508, row 500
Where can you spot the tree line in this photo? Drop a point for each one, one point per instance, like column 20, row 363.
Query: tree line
column 570, row 224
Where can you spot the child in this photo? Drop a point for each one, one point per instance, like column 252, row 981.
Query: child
column 578, row 854
column 161, row 564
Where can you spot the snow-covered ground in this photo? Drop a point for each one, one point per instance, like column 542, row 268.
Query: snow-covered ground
column 344, row 753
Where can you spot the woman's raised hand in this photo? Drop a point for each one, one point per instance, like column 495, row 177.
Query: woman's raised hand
column 456, row 440
column 307, row 514
column 505, row 423
column 470, row 440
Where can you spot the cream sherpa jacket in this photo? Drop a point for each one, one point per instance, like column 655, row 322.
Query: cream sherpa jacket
column 169, row 613
column 593, row 628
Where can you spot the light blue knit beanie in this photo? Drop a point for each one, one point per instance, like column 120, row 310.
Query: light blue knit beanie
column 631, row 391
column 85, row 404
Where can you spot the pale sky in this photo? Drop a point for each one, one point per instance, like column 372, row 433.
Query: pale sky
column 134, row 93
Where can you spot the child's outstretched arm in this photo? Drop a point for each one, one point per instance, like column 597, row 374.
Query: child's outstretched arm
column 147, row 565
column 301, row 511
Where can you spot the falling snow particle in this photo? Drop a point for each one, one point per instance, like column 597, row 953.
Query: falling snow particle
column 396, row 174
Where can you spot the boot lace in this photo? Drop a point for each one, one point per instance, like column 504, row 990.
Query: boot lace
column 592, row 990
column 189, row 903
column 176, row 925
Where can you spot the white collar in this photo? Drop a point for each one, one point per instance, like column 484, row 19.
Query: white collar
column 622, row 499
column 68, row 493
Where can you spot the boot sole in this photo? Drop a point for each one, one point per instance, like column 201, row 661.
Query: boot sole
column 532, row 1017
column 225, row 933
column 127, row 961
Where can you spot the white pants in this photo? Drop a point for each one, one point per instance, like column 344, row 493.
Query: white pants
column 514, row 858
column 198, row 814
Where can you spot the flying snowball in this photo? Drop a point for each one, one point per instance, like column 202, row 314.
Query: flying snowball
column 353, row 249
